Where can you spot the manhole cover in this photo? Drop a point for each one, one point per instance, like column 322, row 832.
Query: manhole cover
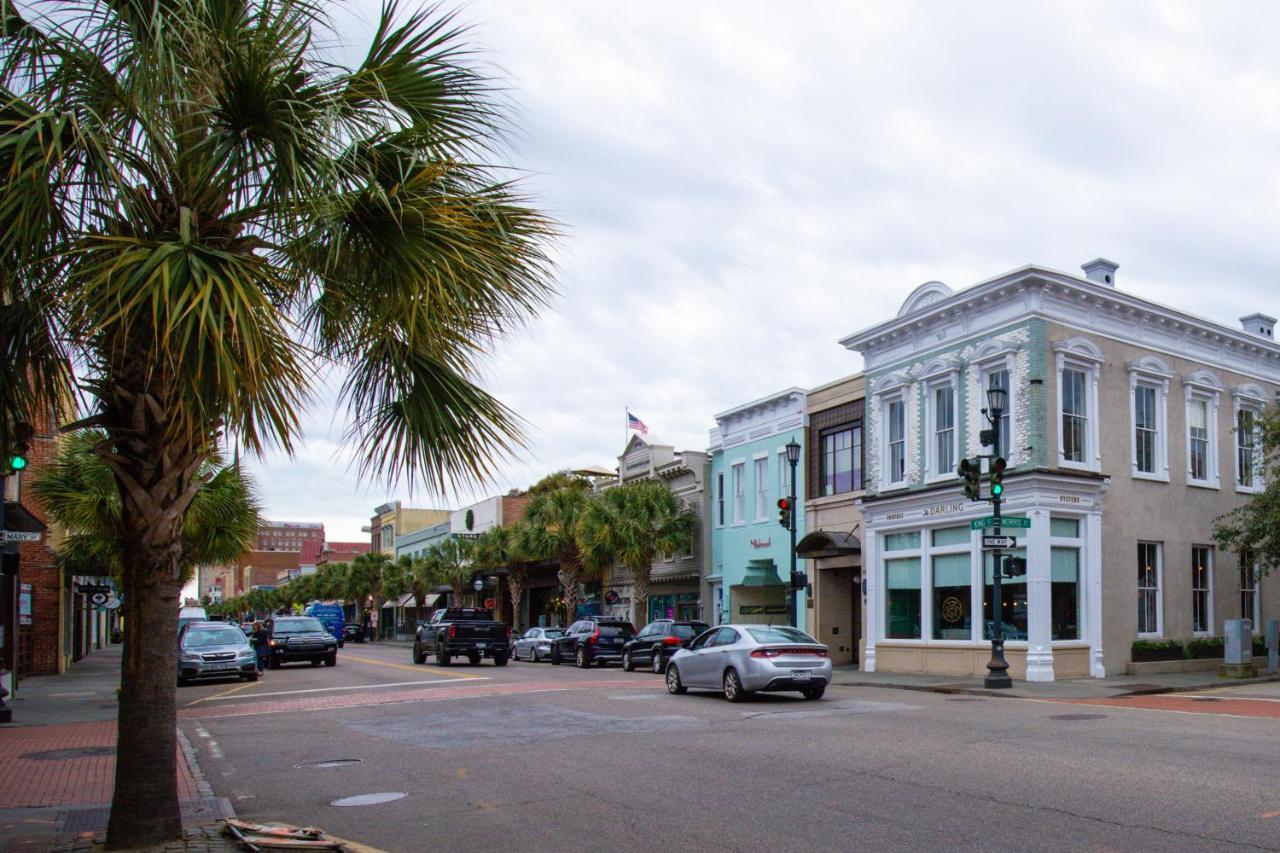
column 370, row 799
column 73, row 752
column 1077, row 717
column 332, row 762
column 963, row 699
column 1205, row 699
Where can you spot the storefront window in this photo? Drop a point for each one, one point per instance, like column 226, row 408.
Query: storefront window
column 952, row 603
column 902, row 541
column 902, row 598
column 1013, row 595
column 1064, row 567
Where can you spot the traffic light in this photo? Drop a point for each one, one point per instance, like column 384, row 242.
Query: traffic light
column 784, row 512
column 799, row 580
column 997, row 476
column 971, row 472
column 19, row 446
column 1015, row 566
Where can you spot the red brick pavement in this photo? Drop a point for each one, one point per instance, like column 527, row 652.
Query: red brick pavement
column 32, row 782
column 438, row 694
column 1258, row 708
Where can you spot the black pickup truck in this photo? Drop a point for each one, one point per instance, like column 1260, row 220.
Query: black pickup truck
column 462, row 632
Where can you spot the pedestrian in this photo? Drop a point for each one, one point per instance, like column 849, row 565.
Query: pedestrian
column 260, row 639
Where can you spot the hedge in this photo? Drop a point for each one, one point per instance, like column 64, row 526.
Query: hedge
column 1152, row 650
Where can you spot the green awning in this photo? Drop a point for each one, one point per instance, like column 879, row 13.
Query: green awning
column 761, row 573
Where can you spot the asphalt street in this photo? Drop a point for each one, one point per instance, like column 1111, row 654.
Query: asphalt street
column 536, row 757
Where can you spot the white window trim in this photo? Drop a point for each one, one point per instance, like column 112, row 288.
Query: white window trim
column 1002, row 361
column 1159, row 632
column 898, row 395
column 1208, row 597
column 1092, row 445
column 762, row 512
column 1199, row 390
column 1252, row 398
column 738, row 476
column 933, row 473
column 1152, row 373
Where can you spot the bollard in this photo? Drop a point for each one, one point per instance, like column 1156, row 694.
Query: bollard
column 1273, row 644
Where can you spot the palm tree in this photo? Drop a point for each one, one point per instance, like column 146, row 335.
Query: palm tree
column 634, row 525
column 79, row 493
column 201, row 211
column 450, row 561
column 504, row 548
column 552, row 514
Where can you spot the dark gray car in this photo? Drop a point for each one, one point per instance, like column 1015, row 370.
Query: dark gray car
column 214, row 650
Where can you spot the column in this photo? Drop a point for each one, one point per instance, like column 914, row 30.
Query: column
column 872, row 605
column 1039, row 604
column 1092, row 584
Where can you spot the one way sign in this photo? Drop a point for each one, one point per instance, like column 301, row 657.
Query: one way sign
column 990, row 543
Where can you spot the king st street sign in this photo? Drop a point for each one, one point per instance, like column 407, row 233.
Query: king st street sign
column 1010, row 522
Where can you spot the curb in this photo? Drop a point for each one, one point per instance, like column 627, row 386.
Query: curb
column 202, row 785
column 1147, row 690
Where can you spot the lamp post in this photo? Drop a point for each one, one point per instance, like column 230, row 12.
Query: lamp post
column 793, row 587
column 997, row 667
column 479, row 587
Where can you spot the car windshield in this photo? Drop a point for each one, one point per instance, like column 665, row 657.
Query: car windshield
column 297, row 626
column 687, row 632
column 552, row 633
column 199, row 637
column 779, row 634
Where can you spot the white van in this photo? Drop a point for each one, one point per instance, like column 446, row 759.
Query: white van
column 187, row 615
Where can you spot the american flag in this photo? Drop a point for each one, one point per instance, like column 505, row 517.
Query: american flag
column 636, row 424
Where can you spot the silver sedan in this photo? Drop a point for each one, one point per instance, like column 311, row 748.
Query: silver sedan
column 743, row 659
column 535, row 644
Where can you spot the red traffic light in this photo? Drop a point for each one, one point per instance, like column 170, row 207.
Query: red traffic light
column 998, row 465
column 784, row 503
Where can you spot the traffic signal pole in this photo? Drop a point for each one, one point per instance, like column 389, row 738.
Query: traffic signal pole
column 997, row 667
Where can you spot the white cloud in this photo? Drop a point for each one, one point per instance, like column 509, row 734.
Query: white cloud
column 742, row 184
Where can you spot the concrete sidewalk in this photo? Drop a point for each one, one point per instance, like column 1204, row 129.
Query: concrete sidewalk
column 1072, row 688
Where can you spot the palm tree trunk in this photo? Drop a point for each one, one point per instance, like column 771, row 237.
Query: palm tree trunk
column 156, row 477
column 640, row 597
column 570, row 588
column 515, row 588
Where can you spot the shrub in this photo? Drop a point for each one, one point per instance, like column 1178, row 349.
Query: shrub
column 1153, row 650
column 1260, row 645
column 1205, row 647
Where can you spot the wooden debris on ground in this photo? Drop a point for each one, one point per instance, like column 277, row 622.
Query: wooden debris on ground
column 281, row 836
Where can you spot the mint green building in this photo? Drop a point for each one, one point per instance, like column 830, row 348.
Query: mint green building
column 750, row 550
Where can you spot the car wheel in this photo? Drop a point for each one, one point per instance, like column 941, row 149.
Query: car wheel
column 534, row 657
column 442, row 657
column 499, row 659
column 419, row 656
column 473, row 659
column 814, row 693
column 674, row 684
column 555, row 655
column 273, row 662
column 253, row 676
column 583, row 660
column 733, row 690
column 183, row 682
column 627, row 665
column 332, row 659
column 656, row 663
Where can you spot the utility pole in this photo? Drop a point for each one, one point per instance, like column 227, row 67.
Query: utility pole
column 795, row 582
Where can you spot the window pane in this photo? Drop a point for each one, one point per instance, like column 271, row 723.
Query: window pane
column 1144, row 414
column 1148, row 588
column 952, row 603
column 1065, row 528
column 1201, row 618
column 1000, row 379
column 1013, row 596
column 1198, row 423
column 855, row 455
column 902, row 541
column 1246, row 459
column 762, row 488
column 1064, row 573
column 902, row 599
column 1074, row 416
column 897, row 442
column 951, row 536
column 944, row 427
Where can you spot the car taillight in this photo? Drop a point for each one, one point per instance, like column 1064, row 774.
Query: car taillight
column 595, row 635
column 773, row 653
column 765, row 653
column 453, row 631
column 672, row 641
column 508, row 632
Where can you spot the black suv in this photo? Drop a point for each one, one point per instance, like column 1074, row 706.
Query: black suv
column 597, row 638
column 658, row 641
column 300, row 638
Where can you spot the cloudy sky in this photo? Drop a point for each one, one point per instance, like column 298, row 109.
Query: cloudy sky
column 742, row 184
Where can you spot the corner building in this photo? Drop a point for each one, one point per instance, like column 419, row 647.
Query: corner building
column 1131, row 427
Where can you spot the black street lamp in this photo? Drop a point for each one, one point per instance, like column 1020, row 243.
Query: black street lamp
column 997, row 667
column 793, row 586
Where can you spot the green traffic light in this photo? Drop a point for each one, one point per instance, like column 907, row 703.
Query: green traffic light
column 17, row 463
column 997, row 490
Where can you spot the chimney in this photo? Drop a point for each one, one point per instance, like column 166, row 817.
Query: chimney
column 1101, row 270
column 1260, row 325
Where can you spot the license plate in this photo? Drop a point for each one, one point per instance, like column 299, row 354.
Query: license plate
column 801, row 674
column 480, row 645
column 222, row 666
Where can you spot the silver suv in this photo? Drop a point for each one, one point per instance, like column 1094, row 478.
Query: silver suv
column 214, row 650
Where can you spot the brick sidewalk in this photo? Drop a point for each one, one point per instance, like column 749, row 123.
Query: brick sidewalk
column 1213, row 705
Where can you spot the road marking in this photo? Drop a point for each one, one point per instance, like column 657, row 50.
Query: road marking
column 214, row 749
column 357, row 687
column 1269, row 815
column 410, row 667
column 235, row 689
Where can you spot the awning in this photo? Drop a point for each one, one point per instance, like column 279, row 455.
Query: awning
column 828, row 543
column 20, row 520
column 683, row 577
column 430, row 600
column 761, row 573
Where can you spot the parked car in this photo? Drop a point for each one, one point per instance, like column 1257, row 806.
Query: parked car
column 214, row 650
column 351, row 631
column 331, row 617
column 535, row 644
column 295, row 638
column 467, row 632
column 742, row 659
column 658, row 641
column 597, row 639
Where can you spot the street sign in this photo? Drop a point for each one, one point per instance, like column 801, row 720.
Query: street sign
column 99, row 599
column 1005, row 521
column 20, row 536
column 990, row 543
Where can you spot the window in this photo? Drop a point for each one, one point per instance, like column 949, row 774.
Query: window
column 1075, row 415
column 762, row 489
column 1146, row 433
column 1202, row 430
column 942, row 413
column 1249, row 588
column 841, row 460
column 952, row 601
column 739, row 493
column 902, row 598
column 720, row 499
column 1150, row 617
column 1013, row 599
column 897, row 433
column 784, row 474
column 1201, row 589
column 1198, row 438
column 1064, row 575
column 1247, row 457
column 999, row 378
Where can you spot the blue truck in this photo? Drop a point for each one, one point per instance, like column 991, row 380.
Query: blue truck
column 331, row 617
